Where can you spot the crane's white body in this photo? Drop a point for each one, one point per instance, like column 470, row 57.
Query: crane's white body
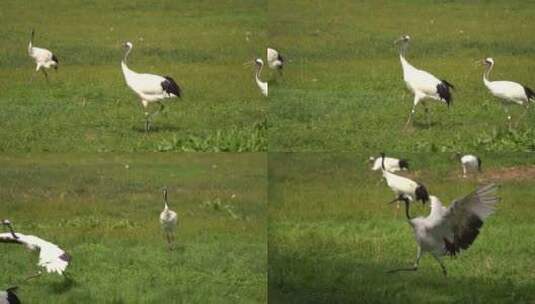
column 263, row 86
column 168, row 221
column 274, row 59
column 391, row 164
column 148, row 87
column 401, row 185
column 51, row 257
column 422, row 84
column 452, row 229
column 470, row 162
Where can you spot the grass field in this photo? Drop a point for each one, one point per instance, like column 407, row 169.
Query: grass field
column 87, row 105
column 104, row 211
column 332, row 236
column 343, row 88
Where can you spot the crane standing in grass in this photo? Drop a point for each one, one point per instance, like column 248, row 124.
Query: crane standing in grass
column 423, row 84
column 469, row 162
column 168, row 221
column 51, row 257
column 44, row 59
column 447, row 231
column 150, row 88
column 509, row 92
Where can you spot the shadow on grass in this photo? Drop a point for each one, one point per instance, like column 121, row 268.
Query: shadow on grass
column 60, row 287
column 329, row 279
column 156, row 127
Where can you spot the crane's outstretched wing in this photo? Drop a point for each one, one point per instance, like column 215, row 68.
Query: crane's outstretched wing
column 51, row 257
column 465, row 216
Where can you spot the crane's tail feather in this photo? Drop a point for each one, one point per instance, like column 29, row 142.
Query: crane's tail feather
column 530, row 94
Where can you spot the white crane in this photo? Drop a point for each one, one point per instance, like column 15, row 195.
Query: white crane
column 403, row 187
column 509, row 92
column 469, row 162
column 421, row 83
column 391, row 164
column 274, row 60
column 8, row 296
column 447, row 231
column 51, row 257
column 150, row 88
column 44, row 59
column 261, row 84
column 168, row 221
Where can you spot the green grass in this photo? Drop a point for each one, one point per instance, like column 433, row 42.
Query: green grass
column 104, row 211
column 343, row 88
column 332, row 236
column 87, row 105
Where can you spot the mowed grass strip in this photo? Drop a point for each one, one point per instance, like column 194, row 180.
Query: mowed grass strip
column 343, row 87
column 104, row 211
column 87, row 105
column 333, row 236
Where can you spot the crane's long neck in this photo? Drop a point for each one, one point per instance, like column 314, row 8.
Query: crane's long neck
column 404, row 63
column 126, row 71
column 166, row 206
column 258, row 71
column 486, row 74
column 30, row 45
column 10, row 227
column 407, row 214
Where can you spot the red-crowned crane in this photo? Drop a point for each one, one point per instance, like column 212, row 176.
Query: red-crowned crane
column 421, row 83
column 51, row 257
column 509, row 92
column 447, row 231
column 168, row 221
column 404, row 188
column 44, row 59
column 391, row 164
column 469, row 162
column 150, row 88
column 274, row 60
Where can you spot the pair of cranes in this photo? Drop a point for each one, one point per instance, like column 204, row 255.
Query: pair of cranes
column 424, row 85
column 55, row 260
column 446, row 230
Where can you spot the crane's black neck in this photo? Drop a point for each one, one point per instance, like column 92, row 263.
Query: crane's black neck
column 407, row 209
column 10, row 227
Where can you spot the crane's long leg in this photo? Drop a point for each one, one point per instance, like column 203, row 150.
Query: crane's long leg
column 464, row 171
column 441, row 265
column 46, row 75
column 149, row 117
column 427, row 114
column 414, row 267
column 415, row 102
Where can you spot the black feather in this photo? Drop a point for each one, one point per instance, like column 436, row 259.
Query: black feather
column 281, row 59
column 443, row 90
column 466, row 234
column 11, row 296
column 529, row 93
column 55, row 59
column 479, row 164
column 171, row 87
column 403, row 163
column 450, row 248
column 421, row 194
